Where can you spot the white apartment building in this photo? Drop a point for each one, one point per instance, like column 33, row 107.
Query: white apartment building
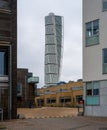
column 95, row 57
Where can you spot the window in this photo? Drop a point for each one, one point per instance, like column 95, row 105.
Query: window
column 79, row 98
column 89, row 88
column 92, row 93
column 105, row 61
column 65, row 99
column 3, row 63
column 95, row 88
column 92, row 33
column 104, row 5
column 51, row 100
column 19, row 89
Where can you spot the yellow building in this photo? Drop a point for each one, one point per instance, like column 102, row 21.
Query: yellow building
column 67, row 95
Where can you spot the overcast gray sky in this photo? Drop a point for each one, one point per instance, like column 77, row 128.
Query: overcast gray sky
column 31, row 36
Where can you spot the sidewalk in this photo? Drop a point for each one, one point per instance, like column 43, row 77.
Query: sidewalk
column 69, row 122
column 47, row 112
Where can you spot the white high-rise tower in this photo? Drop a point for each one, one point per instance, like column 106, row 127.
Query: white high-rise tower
column 53, row 48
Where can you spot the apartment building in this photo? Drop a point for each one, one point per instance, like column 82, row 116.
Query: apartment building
column 61, row 95
column 95, row 57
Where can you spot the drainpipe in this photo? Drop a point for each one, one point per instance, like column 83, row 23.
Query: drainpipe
column 10, row 77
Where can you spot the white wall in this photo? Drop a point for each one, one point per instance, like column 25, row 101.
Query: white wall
column 92, row 55
column 100, row 110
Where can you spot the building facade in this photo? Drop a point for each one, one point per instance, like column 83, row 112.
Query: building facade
column 53, row 48
column 8, row 58
column 26, row 88
column 95, row 57
column 64, row 95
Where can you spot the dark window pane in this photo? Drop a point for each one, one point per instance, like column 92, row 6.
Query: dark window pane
column 19, row 89
column 104, row 4
column 79, row 98
column 105, row 55
column 95, row 27
column 89, row 92
column 3, row 63
column 96, row 92
column 89, row 29
column 62, row 100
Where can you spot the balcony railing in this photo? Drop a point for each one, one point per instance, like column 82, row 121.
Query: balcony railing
column 4, row 4
column 6, row 39
column 4, row 78
column 33, row 80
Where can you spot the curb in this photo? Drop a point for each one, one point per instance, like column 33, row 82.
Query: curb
column 42, row 117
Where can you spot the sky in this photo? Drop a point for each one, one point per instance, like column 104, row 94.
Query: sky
column 31, row 36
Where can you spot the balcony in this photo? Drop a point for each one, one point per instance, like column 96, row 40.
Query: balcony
column 93, row 40
column 4, row 39
column 33, row 80
column 4, row 78
column 4, row 6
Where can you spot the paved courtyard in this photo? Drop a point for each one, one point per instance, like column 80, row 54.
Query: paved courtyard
column 47, row 122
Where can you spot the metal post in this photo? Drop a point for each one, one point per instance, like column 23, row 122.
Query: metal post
column 10, row 77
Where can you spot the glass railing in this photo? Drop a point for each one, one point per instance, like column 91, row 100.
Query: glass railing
column 4, row 6
column 6, row 39
column 105, row 68
column 33, row 80
column 4, row 78
column 92, row 40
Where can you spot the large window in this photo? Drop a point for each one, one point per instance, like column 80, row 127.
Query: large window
column 51, row 100
column 3, row 63
column 104, row 5
column 65, row 99
column 92, row 93
column 92, row 33
column 105, row 61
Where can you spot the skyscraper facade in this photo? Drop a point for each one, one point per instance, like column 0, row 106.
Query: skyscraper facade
column 95, row 57
column 53, row 48
column 8, row 58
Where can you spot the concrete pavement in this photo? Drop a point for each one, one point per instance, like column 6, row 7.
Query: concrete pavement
column 67, row 123
column 57, row 123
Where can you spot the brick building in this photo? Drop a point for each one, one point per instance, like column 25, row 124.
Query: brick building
column 26, row 88
column 8, row 57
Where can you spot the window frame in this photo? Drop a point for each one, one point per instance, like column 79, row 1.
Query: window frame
column 19, row 89
column 103, row 61
column 93, row 99
column 91, row 37
column 104, row 9
column 4, row 62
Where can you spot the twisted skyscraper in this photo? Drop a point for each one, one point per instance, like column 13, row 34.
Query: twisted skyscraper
column 53, row 48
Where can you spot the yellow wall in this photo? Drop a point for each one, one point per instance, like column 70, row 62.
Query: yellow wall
column 70, row 90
